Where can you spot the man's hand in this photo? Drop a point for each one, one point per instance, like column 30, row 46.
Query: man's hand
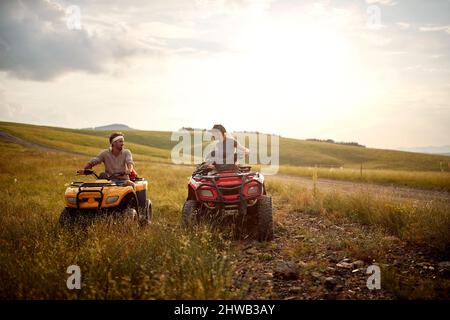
column 128, row 169
column 210, row 166
column 81, row 171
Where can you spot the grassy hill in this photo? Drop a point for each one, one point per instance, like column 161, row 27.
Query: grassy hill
column 119, row 260
column 88, row 142
column 157, row 145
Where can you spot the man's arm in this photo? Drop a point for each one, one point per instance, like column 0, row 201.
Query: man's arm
column 93, row 162
column 129, row 164
column 129, row 168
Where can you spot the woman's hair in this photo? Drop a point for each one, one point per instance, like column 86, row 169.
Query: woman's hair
column 115, row 134
column 221, row 128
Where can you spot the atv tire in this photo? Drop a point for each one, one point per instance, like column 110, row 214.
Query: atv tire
column 265, row 220
column 66, row 218
column 189, row 214
column 146, row 216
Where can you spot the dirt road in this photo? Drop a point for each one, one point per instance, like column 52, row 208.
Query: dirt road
column 11, row 138
column 350, row 186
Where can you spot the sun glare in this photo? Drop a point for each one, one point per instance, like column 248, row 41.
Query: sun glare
column 306, row 69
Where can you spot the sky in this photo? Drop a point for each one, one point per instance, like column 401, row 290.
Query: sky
column 372, row 71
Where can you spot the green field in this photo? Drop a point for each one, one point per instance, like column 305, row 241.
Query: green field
column 162, row 261
column 297, row 157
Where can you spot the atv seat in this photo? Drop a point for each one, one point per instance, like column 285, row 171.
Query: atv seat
column 245, row 168
column 226, row 167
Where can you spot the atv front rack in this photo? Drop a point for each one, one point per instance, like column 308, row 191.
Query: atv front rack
column 90, row 191
column 92, row 184
column 102, row 184
column 221, row 190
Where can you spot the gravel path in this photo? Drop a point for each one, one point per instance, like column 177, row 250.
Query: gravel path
column 350, row 186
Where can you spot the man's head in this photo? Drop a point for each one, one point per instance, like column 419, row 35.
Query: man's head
column 218, row 131
column 116, row 140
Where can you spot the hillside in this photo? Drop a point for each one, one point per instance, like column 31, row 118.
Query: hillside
column 157, row 144
column 111, row 127
column 445, row 150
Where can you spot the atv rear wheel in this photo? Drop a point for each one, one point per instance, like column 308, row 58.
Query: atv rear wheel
column 146, row 215
column 189, row 213
column 265, row 220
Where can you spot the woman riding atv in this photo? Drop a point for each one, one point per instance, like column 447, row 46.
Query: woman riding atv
column 226, row 151
column 223, row 193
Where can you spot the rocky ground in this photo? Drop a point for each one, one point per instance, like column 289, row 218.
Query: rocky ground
column 317, row 257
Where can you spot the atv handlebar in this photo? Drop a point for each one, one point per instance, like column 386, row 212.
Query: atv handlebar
column 87, row 172
column 117, row 174
column 102, row 176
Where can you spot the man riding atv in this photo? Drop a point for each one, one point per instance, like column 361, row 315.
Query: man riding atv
column 117, row 191
column 118, row 161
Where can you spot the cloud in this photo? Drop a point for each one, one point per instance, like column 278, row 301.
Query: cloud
column 431, row 28
column 382, row 2
column 40, row 41
column 36, row 42
column 419, row 67
column 403, row 25
column 9, row 110
column 393, row 53
column 165, row 30
column 376, row 39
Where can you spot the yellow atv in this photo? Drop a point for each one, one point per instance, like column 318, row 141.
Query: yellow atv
column 106, row 195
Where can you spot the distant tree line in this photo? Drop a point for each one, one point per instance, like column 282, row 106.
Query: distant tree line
column 355, row 144
column 192, row 129
column 257, row 132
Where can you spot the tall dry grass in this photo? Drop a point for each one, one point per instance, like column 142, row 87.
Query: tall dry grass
column 421, row 222
column 120, row 260
column 117, row 259
column 415, row 179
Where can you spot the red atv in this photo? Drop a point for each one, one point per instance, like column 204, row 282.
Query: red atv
column 230, row 192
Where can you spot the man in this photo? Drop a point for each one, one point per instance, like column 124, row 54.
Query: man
column 225, row 149
column 118, row 161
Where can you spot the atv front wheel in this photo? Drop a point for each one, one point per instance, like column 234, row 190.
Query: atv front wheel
column 265, row 220
column 66, row 219
column 189, row 213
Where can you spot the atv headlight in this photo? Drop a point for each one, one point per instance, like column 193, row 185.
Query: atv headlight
column 253, row 190
column 206, row 193
column 72, row 200
column 112, row 199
